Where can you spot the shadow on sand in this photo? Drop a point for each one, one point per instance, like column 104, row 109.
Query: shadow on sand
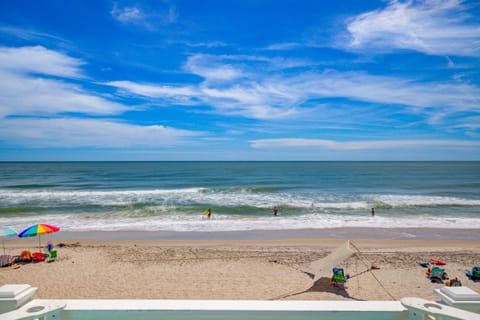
column 324, row 284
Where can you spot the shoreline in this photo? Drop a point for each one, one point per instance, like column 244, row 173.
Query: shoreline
column 333, row 233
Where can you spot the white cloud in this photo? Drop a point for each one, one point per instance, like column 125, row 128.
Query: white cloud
column 39, row 60
column 211, row 44
column 128, row 14
column 284, row 46
column 174, row 94
column 73, row 133
column 211, row 69
column 438, row 27
column 359, row 145
column 27, row 89
column 251, row 93
column 33, row 35
column 23, row 95
column 146, row 17
column 453, row 96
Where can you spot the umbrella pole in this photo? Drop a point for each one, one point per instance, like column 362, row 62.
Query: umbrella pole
column 39, row 246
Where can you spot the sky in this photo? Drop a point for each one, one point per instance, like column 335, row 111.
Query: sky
column 279, row 80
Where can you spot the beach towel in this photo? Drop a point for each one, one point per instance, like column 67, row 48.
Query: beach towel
column 38, row 257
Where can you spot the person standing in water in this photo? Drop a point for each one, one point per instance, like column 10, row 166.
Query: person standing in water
column 275, row 211
column 208, row 212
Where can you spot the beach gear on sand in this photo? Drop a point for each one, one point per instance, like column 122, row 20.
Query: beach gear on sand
column 26, row 256
column 6, row 232
column 437, row 275
column 424, row 264
column 339, row 279
column 5, row 260
column 437, row 262
column 453, row 283
column 474, row 274
column 8, row 262
column 38, row 257
column 38, row 230
column 52, row 256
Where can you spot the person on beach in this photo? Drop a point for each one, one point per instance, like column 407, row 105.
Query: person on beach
column 275, row 211
column 208, row 213
column 373, row 212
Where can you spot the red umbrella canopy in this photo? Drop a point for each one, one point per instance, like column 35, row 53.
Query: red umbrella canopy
column 38, row 230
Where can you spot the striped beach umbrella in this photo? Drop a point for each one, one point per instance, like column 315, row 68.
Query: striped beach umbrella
column 6, row 232
column 38, row 230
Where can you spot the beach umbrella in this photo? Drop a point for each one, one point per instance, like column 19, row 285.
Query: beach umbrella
column 6, row 232
column 38, row 230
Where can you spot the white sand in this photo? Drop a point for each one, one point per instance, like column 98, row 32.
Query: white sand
column 237, row 269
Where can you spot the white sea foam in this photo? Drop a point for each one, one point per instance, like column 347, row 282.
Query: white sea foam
column 199, row 223
column 174, row 210
column 417, row 200
column 193, row 196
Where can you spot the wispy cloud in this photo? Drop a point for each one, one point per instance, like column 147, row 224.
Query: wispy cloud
column 26, row 86
column 359, row 145
column 233, row 88
column 208, row 67
column 154, row 91
column 210, row 44
column 128, row 14
column 438, row 27
column 146, row 17
column 74, row 132
column 31, row 35
column 40, row 87
column 284, row 46
column 39, row 60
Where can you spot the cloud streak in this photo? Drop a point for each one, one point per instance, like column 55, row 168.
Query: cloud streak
column 359, row 145
column 145, row 17
column 437, row 27
column 231, row 88
column 38, row 59
column 75, row 132
column 27, row 86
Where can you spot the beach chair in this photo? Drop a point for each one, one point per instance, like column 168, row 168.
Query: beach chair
column 338, row 278
column 26, row 256
column 453, row 282
column 437, row 275
column 52, row 256
column 38, row 257
column 5, row 260
column 474, row 274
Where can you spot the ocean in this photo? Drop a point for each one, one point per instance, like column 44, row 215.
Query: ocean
column 172, row 196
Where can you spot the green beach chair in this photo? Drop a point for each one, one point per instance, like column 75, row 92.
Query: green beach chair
column 339, row 279
column 52, row 256
column 437, row 275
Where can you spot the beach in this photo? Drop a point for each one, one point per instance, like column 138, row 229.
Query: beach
column 137, row 230
column 265, row 269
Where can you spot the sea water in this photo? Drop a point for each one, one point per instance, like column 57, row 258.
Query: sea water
column 172, row 196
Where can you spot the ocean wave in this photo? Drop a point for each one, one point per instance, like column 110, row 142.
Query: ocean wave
column 395, row 201
column 199, row 223
column 31, row 186
column 229, row 198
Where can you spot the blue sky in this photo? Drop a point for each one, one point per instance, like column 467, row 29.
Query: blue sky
column 240, row 80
